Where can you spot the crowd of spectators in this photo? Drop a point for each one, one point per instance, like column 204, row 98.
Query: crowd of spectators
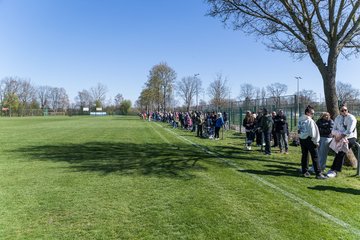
column 263, row 127
column 205, row 124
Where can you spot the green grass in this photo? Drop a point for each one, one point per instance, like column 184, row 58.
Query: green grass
column 123, row 178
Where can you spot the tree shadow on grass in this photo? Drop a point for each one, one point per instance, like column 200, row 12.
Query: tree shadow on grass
column 235, row 135
column 336, row 189
column 274, row 170
column 162, row 160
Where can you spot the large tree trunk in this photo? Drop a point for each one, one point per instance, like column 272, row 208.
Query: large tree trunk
column 332, row 103
column 328, row 74
column 351, row 160
column 331, row 98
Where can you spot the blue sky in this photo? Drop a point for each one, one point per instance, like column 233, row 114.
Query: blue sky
column 76, row 44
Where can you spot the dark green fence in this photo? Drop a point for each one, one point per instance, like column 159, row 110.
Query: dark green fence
column 292, row 108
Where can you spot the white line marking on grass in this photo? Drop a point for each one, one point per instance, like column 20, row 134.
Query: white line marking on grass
column 161, row 136
column 282, row 191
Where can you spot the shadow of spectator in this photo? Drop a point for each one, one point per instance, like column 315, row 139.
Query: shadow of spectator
column 336, row 189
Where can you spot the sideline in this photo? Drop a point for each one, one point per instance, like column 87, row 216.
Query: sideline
column 263, row 181
column 160, row 135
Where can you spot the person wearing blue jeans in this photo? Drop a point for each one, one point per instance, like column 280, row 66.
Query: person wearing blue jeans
column 218, row 124
column 325, row 125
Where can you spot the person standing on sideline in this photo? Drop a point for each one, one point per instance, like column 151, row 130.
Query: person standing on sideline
column 249, row 125
column 281, row 131
column 258, row 133
column 309, row 141
column 266, row 128
column 273, row 132
column 325, row 125
column 218, row 124
column 225, row 118
column 345, row 124
column 193, row 119
column 200, row 123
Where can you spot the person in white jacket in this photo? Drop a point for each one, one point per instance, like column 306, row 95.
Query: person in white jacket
column 345, row 124
column 309, row 141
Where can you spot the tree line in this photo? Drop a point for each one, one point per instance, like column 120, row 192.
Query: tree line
column 19, row 94
column 162, row 91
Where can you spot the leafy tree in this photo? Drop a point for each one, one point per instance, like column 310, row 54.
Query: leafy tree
column 98, row 103
column 161, row 83
column 34, row 104
column 145, row 100
column 11, row 101
column 320, row 29
column 19, row 87
column 125, row 106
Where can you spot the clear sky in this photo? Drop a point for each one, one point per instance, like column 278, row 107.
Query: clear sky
column 76, row 44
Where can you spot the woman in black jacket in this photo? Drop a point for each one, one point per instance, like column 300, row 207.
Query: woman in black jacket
column 325, row 125
column 249, row 125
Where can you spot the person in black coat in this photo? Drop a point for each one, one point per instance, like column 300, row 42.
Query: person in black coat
column 281, row 131
column 249, row 125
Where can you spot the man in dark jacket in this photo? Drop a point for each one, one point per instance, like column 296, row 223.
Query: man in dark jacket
column 199, row 122
column 266, row 128
column 280, row 126
column 258, row 133
column 273, row 132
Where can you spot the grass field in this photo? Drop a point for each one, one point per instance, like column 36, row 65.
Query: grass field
column 123, row 178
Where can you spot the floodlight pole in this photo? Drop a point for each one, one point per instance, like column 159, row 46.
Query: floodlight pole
column 298, row 95
column 197, row 89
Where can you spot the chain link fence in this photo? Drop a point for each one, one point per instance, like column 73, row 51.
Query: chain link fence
column 292, row 108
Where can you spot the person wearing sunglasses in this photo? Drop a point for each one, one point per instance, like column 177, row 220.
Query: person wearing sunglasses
column 345, row 123
column 309, row 141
